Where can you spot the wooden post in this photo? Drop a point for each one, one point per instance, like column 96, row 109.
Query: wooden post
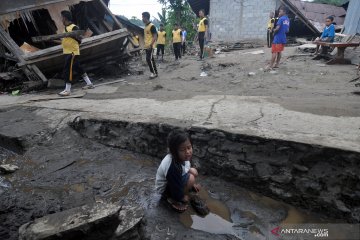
column 57, row 36
column 111, row 14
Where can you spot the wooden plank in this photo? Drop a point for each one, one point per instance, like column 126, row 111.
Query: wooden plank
column 85, row 43
column 57, row 36
column 337, row 44
column 108, row 83
column 39, row 73
column 111, row 14
column 10, row 44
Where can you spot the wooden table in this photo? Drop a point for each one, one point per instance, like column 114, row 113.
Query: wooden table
column 339, row 58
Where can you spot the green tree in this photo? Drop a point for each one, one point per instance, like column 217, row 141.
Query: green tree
column 332, row 2
column 177, row 6
column 162, row 16
column 185, row 18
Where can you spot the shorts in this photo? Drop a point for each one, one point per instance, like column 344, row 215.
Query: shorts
column 277, row 48
column 185, row 178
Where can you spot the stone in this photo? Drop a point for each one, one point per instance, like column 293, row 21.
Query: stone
column 308, row 186
column 279, row 192
column 341, row 206
column 130, row 217
column 263, row 170
column 284, row 177
column 300, row 168
column 76, row 223
column 8, row 168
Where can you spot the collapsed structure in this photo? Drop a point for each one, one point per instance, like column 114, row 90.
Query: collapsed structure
column 106, row 39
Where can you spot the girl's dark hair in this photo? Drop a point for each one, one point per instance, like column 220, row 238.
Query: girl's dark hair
column 202, row 10
column 174, row 140
column 66, row 15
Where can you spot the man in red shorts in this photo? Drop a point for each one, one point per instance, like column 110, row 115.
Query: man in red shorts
column 282, row 27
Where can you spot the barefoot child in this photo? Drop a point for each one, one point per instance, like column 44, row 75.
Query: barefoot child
column 282, row 27
column 175, row 177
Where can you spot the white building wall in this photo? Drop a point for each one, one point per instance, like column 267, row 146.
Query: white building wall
column 233, row 20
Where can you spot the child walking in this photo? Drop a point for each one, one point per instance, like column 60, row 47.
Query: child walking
column 175, row 177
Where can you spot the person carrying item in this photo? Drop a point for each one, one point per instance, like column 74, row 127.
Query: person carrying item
column 71, row 51
column 270, row 27
column 282, row 27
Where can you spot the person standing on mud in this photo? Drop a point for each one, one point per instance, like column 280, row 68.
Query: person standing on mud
column 175, row 177
column 161, row 41
column 150, row 34
column 282, row 27
column 202, row 32
column 177, row 41
column 183, row 47
column 71, row 51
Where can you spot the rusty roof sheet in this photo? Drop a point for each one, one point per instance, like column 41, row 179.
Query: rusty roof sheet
column 317, row 12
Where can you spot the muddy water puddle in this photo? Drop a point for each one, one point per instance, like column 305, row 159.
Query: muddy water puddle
column 241, row 216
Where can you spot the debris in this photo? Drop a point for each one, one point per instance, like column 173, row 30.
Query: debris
column 15, row 92
column 158, row 87
column 80, row 222
column 307, row 48
column 130, row 218
column 354, row 80
column 203, row 74
column 321, row 65
column 257, row 52
column 251, row 74
column 8, row 168
column 273, row 72
column 4, row 183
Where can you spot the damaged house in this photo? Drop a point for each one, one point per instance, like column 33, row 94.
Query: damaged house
column 235, row 20
column 26, row 26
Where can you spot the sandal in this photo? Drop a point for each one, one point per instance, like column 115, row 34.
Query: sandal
column 177, row 206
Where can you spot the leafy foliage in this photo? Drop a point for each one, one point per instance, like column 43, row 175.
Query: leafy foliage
column 178, row 11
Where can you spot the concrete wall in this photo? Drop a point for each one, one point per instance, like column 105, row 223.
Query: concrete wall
column 233, row 20
column 320, row 179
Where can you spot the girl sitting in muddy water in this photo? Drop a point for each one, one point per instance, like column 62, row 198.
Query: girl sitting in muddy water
column 175, row 177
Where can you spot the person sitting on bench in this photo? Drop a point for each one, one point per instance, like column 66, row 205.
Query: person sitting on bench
column 328, row 35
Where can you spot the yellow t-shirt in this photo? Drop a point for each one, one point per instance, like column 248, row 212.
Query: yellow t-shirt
column 161, row 37
column 70, row 45
column 149, row 35
column 176, row 36
column 202, row 26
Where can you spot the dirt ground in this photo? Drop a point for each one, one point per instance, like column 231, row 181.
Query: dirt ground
column 300, row 84
column 56, row 176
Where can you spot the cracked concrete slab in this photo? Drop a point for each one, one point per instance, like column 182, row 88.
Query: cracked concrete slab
column 246, row 115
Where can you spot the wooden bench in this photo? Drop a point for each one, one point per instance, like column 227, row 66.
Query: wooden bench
column 340, row 57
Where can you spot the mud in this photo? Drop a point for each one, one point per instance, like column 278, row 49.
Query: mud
column 62, row 170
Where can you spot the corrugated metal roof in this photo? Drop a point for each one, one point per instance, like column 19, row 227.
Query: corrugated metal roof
column 352, row 21
column 197, row 5
column 316, row 12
